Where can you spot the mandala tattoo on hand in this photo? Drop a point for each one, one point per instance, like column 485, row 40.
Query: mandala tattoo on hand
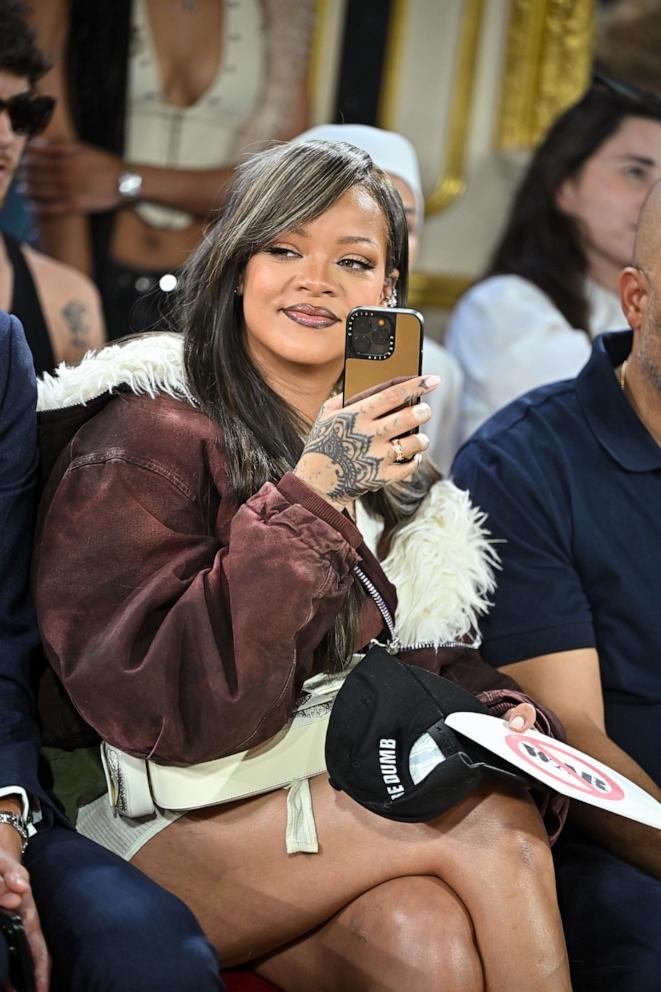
column 348, row 450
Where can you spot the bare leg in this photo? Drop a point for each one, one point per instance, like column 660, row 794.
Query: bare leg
column 401, row 935
column 229, row 865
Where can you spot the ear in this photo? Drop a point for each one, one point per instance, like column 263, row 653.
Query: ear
column 633, row 295
column 565, row 195
column 390, row 284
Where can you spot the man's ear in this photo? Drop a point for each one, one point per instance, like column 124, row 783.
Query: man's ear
column 633, row 295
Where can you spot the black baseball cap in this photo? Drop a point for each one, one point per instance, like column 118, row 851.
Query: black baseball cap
column 387, row 745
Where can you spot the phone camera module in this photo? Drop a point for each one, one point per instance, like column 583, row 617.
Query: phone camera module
column 372, row 335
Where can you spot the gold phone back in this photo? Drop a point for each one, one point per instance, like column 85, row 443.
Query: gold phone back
column 406, row 360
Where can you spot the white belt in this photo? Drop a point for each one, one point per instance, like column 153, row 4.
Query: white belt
column 137, row 785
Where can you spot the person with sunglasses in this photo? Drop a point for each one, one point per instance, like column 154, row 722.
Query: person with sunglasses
column 552, row 284
column 58, row 306
column 107, row 927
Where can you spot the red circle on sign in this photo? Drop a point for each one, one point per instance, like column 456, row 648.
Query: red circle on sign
column 514, row 741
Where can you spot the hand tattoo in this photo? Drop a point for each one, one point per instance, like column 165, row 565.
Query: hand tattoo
column 348, row 450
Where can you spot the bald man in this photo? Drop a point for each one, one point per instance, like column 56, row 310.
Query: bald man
column 570, row 477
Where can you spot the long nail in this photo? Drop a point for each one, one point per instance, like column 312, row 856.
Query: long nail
column 422, row 411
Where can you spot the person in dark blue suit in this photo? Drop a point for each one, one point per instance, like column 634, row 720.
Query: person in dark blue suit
column 106, row 925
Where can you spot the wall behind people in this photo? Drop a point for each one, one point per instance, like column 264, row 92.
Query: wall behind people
column 473, row 85
column 469, row 82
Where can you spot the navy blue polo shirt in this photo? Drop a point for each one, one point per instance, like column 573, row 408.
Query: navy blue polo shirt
column 571, row 482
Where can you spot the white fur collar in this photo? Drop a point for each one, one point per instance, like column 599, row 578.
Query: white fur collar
column 442, row 562
column 151, row 363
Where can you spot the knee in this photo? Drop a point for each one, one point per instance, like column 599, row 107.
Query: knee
column 513, row 836
column 420, row 931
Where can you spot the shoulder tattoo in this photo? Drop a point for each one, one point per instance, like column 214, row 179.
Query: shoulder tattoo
column 76, row 316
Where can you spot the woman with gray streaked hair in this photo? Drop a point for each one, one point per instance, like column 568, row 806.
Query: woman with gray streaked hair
column 230, row 518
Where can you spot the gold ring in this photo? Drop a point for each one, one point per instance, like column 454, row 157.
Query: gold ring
column 399, row 451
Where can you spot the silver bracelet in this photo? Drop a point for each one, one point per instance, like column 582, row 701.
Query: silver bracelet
column 18, row 823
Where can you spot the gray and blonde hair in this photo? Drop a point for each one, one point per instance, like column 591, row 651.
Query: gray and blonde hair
column 274, row 191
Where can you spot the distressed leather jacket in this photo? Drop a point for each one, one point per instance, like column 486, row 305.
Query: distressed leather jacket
column 182, row 626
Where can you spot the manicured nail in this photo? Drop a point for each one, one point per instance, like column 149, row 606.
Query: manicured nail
column 518, row 723
column 430, row 381
column 422, row 411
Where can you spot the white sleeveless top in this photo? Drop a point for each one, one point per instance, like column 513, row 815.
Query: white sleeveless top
column 203, row 135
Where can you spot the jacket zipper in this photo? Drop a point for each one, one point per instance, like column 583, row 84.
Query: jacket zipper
column 395, row 646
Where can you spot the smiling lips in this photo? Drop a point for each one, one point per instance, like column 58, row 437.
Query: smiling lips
column 309, row 316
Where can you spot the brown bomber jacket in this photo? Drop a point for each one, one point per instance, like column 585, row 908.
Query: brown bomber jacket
column 182, row 626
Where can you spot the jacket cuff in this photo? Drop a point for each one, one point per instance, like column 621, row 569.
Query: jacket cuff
column 499, row 701
column 298, row 491
column 552, row 806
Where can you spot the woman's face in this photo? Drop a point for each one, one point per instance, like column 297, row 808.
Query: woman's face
column 605, row 197
column 298, row 291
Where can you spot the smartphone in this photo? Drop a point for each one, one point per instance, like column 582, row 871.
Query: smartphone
column 382, row 344
column 21, row 969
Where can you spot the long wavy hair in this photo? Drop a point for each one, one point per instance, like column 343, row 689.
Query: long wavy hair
column 540, row 242
column 274, row 191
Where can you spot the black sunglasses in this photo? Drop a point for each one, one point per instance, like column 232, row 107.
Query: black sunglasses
column 640, row 98
column 29, row 114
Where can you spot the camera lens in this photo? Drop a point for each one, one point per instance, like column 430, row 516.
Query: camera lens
column 361, row 343
column 380, row 336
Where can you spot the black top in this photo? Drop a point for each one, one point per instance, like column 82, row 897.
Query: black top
column 26, row 305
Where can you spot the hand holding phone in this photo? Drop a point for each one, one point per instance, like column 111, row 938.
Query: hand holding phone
column 369, row 438
column 21, row 968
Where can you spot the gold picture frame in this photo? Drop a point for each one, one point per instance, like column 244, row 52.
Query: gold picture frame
column 546, row 65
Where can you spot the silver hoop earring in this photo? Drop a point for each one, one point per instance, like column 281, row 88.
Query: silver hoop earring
column 392, row 299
